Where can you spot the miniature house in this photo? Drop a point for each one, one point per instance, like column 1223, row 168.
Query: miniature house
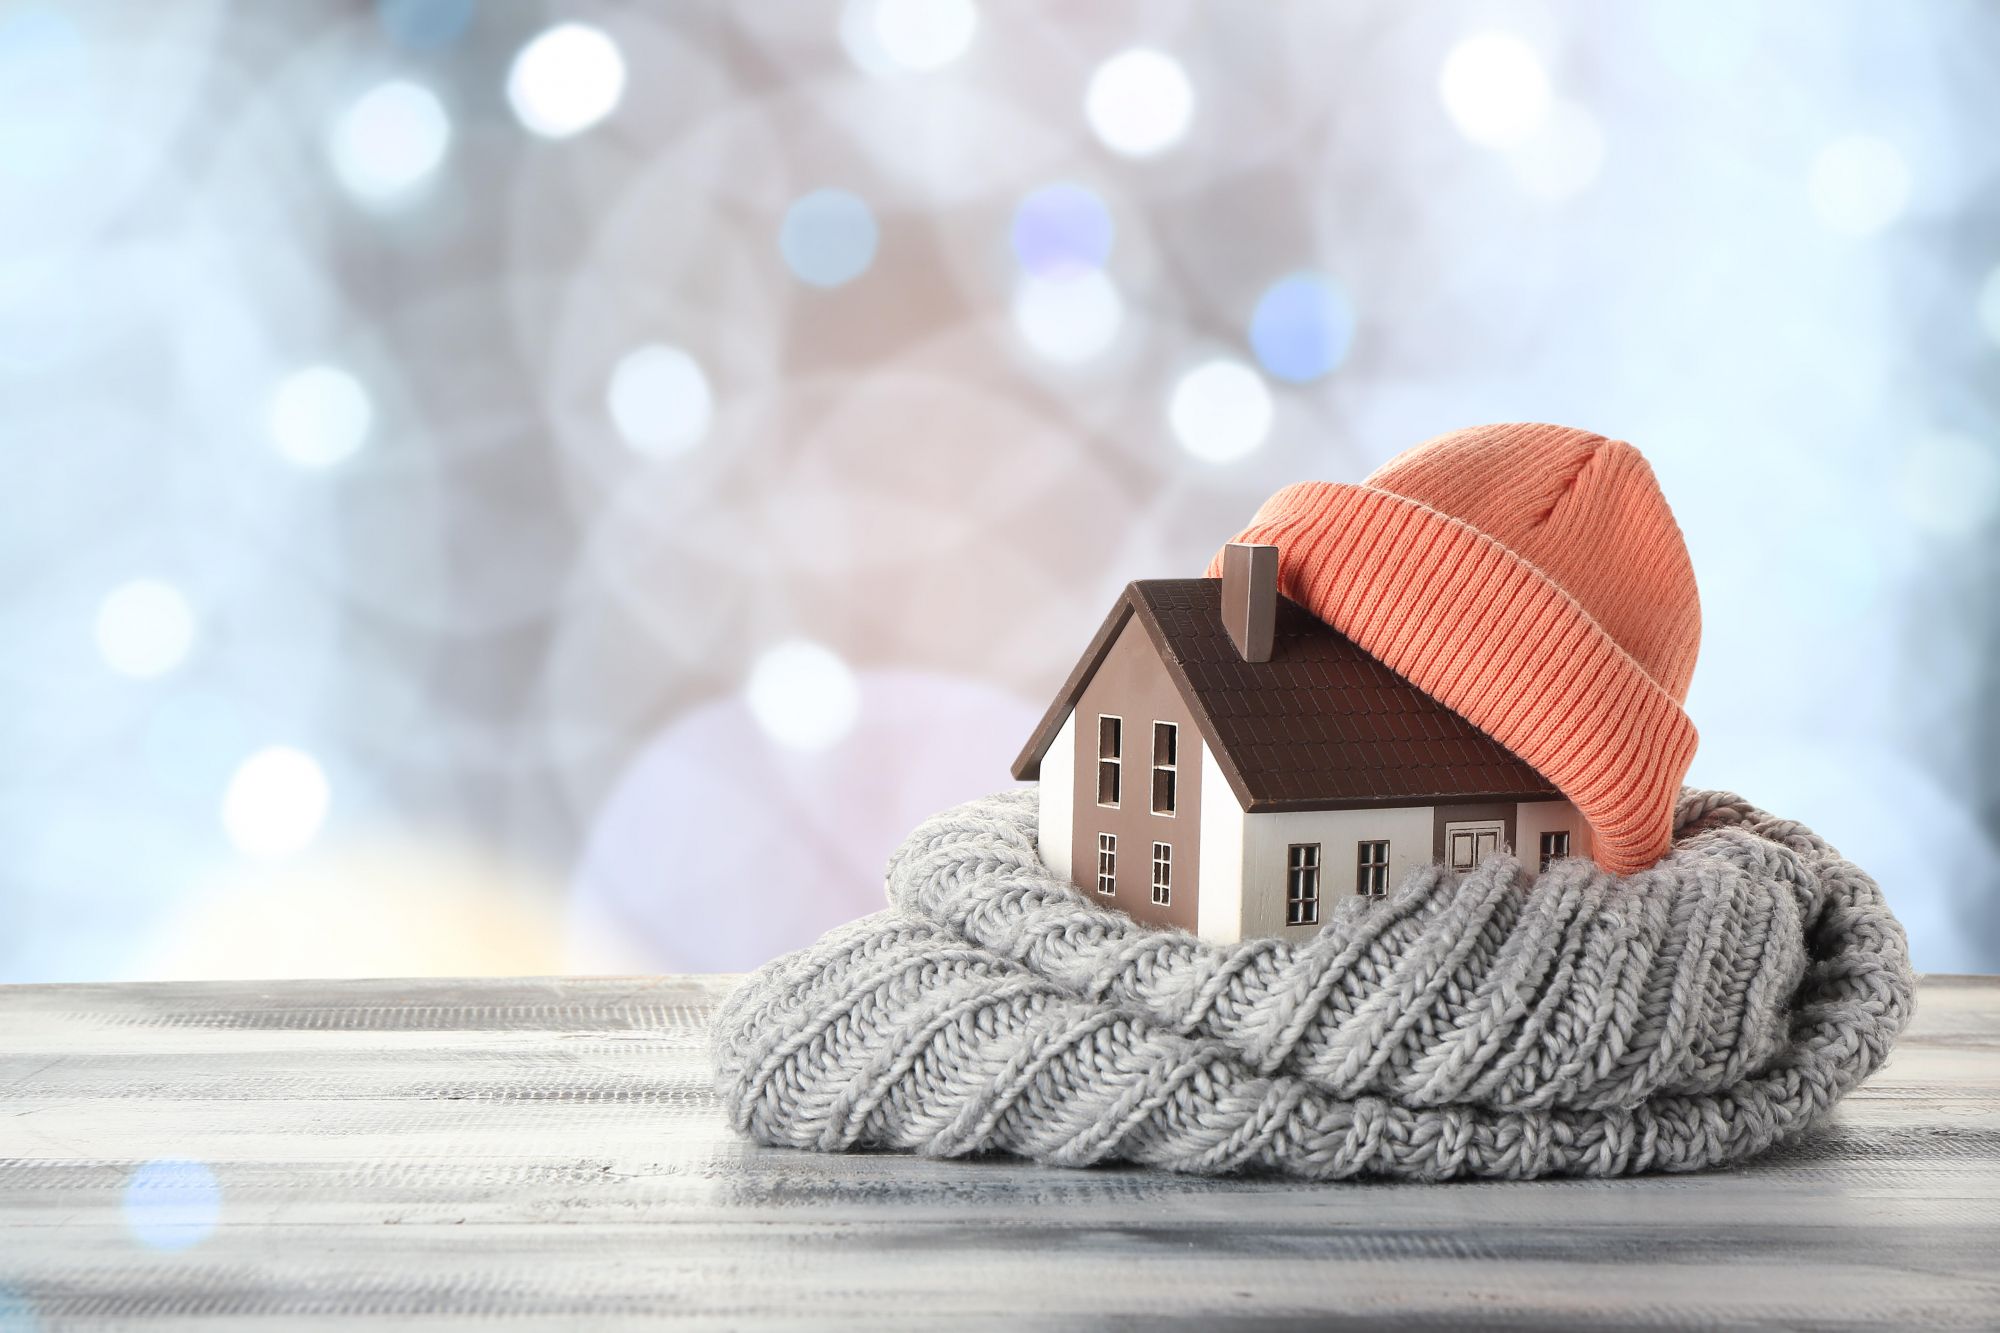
column 1223, row 761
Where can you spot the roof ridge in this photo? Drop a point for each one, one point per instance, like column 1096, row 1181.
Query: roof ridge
column 1376, row 751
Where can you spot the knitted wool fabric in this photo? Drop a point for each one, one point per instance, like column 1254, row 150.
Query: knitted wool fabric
column 1532, row 579
column 1688, row 1016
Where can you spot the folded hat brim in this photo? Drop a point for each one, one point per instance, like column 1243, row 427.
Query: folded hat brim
column 1482, row 630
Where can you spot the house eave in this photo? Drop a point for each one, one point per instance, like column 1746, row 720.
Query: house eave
column 1273, row 807
column 1130, row 605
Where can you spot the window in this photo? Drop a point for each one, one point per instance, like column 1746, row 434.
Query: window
column 1469, row 843
column 1554, row 845
column 1302, row 884
column 1163, row 874
column 1110, row 750
column 1107, row 863
column 1166, row 761
column 1371, row 869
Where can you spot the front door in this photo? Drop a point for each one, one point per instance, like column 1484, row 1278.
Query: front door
column 1467, row 844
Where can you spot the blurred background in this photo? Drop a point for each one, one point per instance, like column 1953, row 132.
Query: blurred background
column 519, row 487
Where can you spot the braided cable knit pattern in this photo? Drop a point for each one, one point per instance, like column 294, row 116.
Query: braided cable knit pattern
column 1468, row 1025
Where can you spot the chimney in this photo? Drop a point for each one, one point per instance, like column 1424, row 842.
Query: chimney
column 1250, row 598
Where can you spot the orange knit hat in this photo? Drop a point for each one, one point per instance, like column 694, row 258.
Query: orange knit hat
column 1532, row 579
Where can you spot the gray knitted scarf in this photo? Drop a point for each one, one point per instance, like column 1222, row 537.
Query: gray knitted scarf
column 1470, row 1024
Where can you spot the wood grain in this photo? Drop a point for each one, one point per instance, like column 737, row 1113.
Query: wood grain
column 548, row 1153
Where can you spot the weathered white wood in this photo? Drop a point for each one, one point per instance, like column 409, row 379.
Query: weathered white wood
column 548, row 1152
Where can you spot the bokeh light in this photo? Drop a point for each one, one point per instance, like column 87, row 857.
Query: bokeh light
column 1859, row 185
column 828, row 238
column 1061, row 228
column 1562, row 158
column 318, row 416
column 566, row 80
column 1951, row 485
column 344, row 408
column 1302, row 327
column 803, row 695
column 425, row 25
column 915, row 36
column 172, row 1203
column 1220, row 410
column 660, row 400
column 1068, row 318
column 664, row 865
column 1139, row 102
column 1494, row 88
column 390, row 141
column 145, row 628
column 275, row 803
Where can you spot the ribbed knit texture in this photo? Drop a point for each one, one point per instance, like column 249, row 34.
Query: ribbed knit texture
column 1684, row 1017
column 1532, row 579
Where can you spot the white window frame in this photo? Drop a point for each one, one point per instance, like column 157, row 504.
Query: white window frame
column 1472, row 830
column 1113, row 763
column 1163, row 874
column 1554, row 846
column 1302, row 869
column 1371, row 875
column 1107, row 864
column 1171, row 768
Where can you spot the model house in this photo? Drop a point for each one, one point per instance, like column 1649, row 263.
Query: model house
column 1223, row 761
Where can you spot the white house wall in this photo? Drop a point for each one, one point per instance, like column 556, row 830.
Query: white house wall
column 1268, row 838
column 1534, row 818
column 1053, row 822
column 1244, row 857
column 1219, row 911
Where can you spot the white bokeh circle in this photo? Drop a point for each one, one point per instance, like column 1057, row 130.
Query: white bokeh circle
column 1220, row 410
column 145, row 628
column 390, row 141
column 1068, row 318
column 1494, row 88
column 659, row 399
column 565, row 80
column 803, row 695
column 318, row 416
column 907, row 36
column 1140, row 102
column 275, row 802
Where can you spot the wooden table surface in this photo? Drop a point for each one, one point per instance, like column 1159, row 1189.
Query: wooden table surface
column 548, row 1152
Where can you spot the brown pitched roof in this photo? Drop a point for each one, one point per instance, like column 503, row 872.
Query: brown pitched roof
column 1320, row 726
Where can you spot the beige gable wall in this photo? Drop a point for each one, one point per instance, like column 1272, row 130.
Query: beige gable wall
column 1132, row 684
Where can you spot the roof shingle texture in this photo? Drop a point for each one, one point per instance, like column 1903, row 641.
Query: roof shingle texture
column 1322, row 724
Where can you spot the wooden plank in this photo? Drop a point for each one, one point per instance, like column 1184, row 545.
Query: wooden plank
column 549, row 1151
